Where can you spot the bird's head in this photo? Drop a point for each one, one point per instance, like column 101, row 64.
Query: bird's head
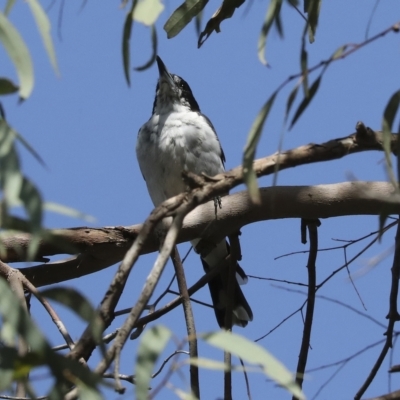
column 172, row 92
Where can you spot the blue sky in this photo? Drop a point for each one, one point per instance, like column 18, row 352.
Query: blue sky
column 84, row 125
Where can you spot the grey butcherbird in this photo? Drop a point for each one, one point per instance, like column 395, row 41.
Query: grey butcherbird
column 176, row 138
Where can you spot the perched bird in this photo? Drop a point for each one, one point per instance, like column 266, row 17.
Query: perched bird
column 176, row 138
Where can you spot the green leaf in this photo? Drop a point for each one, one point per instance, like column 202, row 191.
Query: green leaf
column 313, row 8
column 304, row 67
column 154, row 50
column 389, row 115
column 272, row 15
column 147, row 11
column 12, row 135
column 291, row 99
column 253, row 138
column 218, row 365
column 8, row 357
column 32, row 200
column 126, row 38
column 307, row 100
column 182, row 16
column 184, row 395
column 67, row 211
column 11, row 180
column 338, row 53
column 88, row 392
column 255, row 354
column 7, row 86
column 43, row 23
column 19, row 54
column 9, row 6
column 16, row 321
column 28, row 147
column 152, row 343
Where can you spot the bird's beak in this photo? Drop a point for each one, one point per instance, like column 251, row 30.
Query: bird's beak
column 164, row 74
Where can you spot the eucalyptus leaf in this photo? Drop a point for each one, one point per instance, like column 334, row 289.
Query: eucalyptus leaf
column 44, row 26
column 126, row 38
column 7, row 86
column 67, row 211
column 154, row 44
column 153, row 342
column 19, row 54
column 273, row 11
column 389, row 115
column 253, row 353
column 253, row 138
column 182, row 16
column 17, row 321
column 306, row 100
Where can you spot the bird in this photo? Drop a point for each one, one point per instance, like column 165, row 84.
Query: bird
column 177, row 138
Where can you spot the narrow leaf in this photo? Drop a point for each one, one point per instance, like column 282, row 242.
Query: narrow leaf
column 67, row 211
column 32, row 200
column 273, row 11
column 183, row 395
column 387, row 124
column 8, row 357
column 219, row 365
column 253, row 138
column 255, row 354
column 182, row 16
column 9, row 6
column 154, row 44
column 19, row 54
column 291, row 98
column 126, row 38
column 11, row 179
column 7, row 86
column 338, row 53
column 16, row 321
column 30, row 149
column 307, row 100
column 304, row 67
column 88, row 392
column 313, row 9
column 152, row 344
column 43, row 24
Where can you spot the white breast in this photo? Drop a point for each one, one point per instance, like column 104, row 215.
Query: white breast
column 171, row 143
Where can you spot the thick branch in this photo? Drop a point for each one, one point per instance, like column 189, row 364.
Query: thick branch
column 100, row 248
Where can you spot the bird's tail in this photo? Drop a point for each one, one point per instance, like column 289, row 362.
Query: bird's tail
column 242, row 313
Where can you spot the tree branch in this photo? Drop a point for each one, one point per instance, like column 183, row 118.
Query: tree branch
column 100, row 248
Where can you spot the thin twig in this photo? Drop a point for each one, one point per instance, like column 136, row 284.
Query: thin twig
column 145, row 295
column 246, row 379
column 189, row 319
column 230, row 294
column 47, row 306
column 16, row 285
column 393, row 317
